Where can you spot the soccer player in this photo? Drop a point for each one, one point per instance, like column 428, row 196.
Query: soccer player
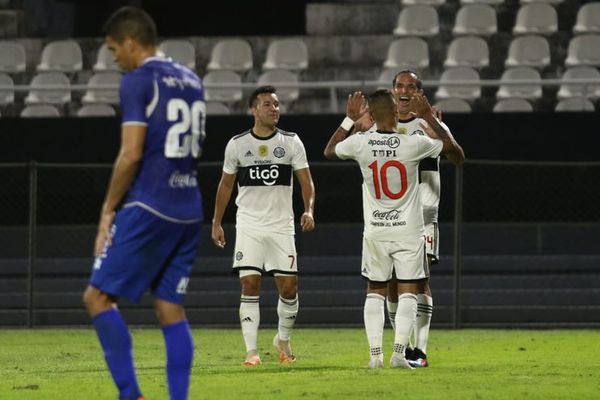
column 150, row 220
column 393, row 238
column 262, row 159
column 405, row 85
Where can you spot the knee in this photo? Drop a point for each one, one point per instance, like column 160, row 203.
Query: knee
column 96, row 301
column 289, row 291
column 250, row 288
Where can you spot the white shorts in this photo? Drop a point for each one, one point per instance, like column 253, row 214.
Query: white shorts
column 256, row 252
column 432, row 244
column 406, row 258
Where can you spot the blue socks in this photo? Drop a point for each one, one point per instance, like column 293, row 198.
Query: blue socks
column 180, row 353
column 116, row 343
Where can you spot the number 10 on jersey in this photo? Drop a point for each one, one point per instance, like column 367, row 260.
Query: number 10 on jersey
column 381, row 180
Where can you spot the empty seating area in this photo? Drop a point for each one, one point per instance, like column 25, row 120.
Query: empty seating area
column 490, row 45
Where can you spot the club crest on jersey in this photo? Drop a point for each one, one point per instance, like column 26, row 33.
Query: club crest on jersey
column 239, row 255
column 279, row 152
column 418, row 132
column 263, row 150
column 401, row 130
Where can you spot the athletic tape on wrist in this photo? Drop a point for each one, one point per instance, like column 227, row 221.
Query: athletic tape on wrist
column 347, row 124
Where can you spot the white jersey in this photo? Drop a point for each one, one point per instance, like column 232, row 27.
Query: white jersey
column 389, row 164
column 429, row 171
column 264, row 169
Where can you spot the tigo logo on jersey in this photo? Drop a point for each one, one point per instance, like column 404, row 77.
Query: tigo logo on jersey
column 268, row 176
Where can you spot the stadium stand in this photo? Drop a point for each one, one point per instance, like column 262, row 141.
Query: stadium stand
column 453, row 105
column 290, row 54
column 468, row 91
column 7, row 96
column 468, row 51
column 110, row 79
column 213, row 108
column 40, row 111
column 536, row 19
column 96, row 110
column 567, row 90
column 531, row 91
column 226, row 95
column 588, row 19
column 418, row 20
column 407, row 53
column 512, row 105
column 575, row 104
column 60, row 93
column 61, row 56
column 231, row 54
column 476, row 19
column 12, row 57
column 181, row 51
column 528, row 51
column 584, row 50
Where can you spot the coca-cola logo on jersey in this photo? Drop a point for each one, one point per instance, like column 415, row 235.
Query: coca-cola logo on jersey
column 392, row 141
column 267, row 176
column 391, row 215
column 179, row 180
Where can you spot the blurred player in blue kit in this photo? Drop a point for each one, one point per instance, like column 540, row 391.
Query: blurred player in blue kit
column 149, row 226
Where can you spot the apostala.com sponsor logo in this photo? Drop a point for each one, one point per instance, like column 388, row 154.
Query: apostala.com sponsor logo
column 391, row 141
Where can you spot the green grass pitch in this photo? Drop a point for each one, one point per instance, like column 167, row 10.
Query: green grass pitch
column 65, row 364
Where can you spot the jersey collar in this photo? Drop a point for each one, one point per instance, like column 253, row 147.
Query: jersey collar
column 404, row 121
column 385, row 132
column 264, row 138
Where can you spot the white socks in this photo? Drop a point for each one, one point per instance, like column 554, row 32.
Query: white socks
column 374, row 316
column 424, row 312
column 287, row 310
column 250, row 320
column 405, row 320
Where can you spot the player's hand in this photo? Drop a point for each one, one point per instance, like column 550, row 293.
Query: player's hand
column 364, row 123
column 437, row 113
column 218, row 236
column 356, row 106
column 103, row 237
column 307, row 222
column 429, row 131
column 419, row 106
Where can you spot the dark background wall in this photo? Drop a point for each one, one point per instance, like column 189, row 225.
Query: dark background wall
column 525, row 137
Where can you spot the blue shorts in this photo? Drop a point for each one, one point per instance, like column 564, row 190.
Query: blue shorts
column 147, row 252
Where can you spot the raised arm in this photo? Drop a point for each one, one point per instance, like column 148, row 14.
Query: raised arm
column 124, row 172
column 224, row 191
column 307, row 221
column 422, row 109
column 355, row 110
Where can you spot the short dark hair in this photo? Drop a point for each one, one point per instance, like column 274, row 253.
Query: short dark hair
column 411, row 72
column 133, row 22
column 260, row 90
column 380, row 103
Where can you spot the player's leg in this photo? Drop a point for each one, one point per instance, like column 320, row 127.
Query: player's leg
column 411, row 269
column 115, row 341
column 250, row 282
column 377, row 269
column 248, row 262
column 391, row 301
column 119, row 272
column 281, row 261
column 287, row 311
column 169, row 290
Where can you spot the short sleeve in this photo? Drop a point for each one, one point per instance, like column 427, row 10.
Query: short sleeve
column 136, row 93
column 347, row 148
column 429, row 147
column 299, row 161
column 230, row 164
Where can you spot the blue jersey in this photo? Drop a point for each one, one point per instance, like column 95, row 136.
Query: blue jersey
column 168, row 98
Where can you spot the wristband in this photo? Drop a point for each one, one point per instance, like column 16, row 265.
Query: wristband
column 347, row 124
